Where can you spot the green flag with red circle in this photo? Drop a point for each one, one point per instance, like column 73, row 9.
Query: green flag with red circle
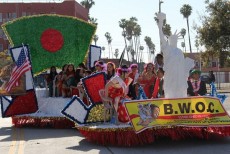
column 54, row 40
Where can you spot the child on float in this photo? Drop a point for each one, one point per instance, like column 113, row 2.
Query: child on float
column 111, row 69
column 147, row 79
column 117, row 89
column 134, row 72
column 133, row 75
column 79, row 74
column 60, row 79
column 137, row 92
column 196, row 87
column 69, row 81
column 50, row 79
column 159, row 61
column 158, row 91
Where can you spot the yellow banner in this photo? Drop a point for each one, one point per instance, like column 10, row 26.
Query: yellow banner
column 191, row 111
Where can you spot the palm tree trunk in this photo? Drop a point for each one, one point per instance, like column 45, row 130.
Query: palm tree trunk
column 132, row 49
column 109, row 51
column 136, row 45
column 184, row 45
column 126, row 49
column 189, row 36
column 148, row 51
column 138, row 51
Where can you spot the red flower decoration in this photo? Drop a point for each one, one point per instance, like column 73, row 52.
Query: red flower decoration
column 22, row 104
column 92, row 85
column 52, row 40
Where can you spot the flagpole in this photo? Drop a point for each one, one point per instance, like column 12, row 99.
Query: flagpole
column 121, row 58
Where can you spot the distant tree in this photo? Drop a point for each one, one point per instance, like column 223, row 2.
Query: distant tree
column 140, row 54
column 103, row 49
column 183, row 33
column 116, row 53
column 123, row 24
column 167, row 29
column 87, row 4
column 150, row 49
column 95, row 38
column 183, row 45
column 131, row 33
column 197, row 44
column 109, row 40
column 93, row 21
column 214, row 33
column 186, row 11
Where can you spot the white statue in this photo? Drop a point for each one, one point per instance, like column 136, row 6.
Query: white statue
column 176, row 67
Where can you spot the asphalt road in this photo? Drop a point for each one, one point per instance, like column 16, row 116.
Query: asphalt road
column 69, row 141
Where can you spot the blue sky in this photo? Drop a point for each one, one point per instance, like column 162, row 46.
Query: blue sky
column 110, row 12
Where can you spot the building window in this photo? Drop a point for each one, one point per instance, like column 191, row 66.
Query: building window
column 213, row 64
column 14, row 15
column 1, row 33
column 0, row 17
column 196, row 64
column 23, row 14
column 1, row 47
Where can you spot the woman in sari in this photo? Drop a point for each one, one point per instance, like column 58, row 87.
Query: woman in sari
column 147, row 79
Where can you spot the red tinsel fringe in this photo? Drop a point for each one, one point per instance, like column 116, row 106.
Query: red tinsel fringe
column 59, row 122
column 130, row 138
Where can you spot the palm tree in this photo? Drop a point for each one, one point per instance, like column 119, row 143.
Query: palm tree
column 197, row 48
column 131, row 33
column 116, row 53
column 93, row 20
column 167, row 29
column 95, row 38
column 183, row 45
column 103, row 49
column 109, row 40
column 141, row 48
column 183, row 33
column 123, row 24
column 151, row 47
column 137, row 33
column 87, row 4
column 186, row 11
column 131, row 23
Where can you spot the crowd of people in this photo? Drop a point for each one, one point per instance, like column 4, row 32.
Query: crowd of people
column 68, row 82
column 122, row 83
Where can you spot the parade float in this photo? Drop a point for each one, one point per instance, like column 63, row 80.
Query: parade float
column 56, row 40
column 53, row 40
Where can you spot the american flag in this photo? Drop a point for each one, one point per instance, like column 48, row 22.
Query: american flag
column 22, row 66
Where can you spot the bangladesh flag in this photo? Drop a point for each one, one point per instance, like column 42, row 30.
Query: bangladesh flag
column 54, row 40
